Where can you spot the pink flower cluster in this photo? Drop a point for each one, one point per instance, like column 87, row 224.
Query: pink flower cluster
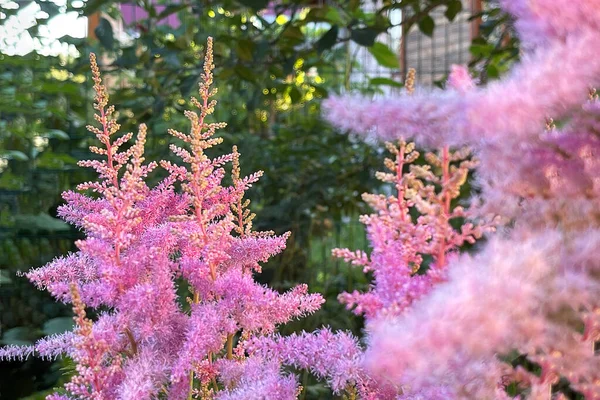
column 532, row 290
column 145, row 245
column 400, row 242
column 522, row 312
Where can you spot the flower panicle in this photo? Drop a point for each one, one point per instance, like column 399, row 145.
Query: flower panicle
column 427, row 189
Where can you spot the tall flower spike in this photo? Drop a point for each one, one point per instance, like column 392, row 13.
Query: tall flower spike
column 409, row 84
column 241, row 212
column 217, row 264
column 140, row 243
column 108, row 169
column 93, row 378
column 533, row 290
column 400, row 241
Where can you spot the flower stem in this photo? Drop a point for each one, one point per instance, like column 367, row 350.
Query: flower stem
column 441, row 259
column 229, row 346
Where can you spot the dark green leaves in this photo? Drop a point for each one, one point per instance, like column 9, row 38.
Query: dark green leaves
column 364, row 36
column 56, row 134
column 384, row 55
column 245, row 73
column 254, row 4
column 427, row 25
column 14, row 155
column 244, row 49
column 385, row 82
column 171, row 9
column 452, row 9
column 58, row 325
column 328, row 39
column 104, row 33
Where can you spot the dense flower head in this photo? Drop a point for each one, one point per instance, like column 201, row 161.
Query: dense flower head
column 400, row 241
column 519, row 318
column 523, row 312
column 140, row 245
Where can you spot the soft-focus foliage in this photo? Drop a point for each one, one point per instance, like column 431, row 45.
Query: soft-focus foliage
column 40, row 110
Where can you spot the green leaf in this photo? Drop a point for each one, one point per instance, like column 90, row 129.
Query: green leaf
column 328, row 39
column 295, row 94
column 492, row 71
column 40, row 222
column 385, row 81
column 128, row 58
column 4, row 277
column 187, row 84
column 104, row 33
column 452, row 9
column 427, row 25
column 254, row 4
column 364, row 36
column 334, row 16
column 245, row 73
column 55, row 134
column 171, row 9
column 58, row 325
column 479, row 50
column 384, row 55
column 14, row 155
column 293, row 34
column 51, row 160
column 19, row 336
column 316, row 14
column 244, row 49
column 320, row 92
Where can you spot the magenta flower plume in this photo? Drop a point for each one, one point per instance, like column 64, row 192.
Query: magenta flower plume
column 550, row 81
column 523, row 312
column 256, row 379
column 140, row 245
column 399, row 242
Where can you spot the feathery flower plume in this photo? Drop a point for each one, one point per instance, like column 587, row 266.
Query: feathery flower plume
column 523, row 313
column 139, row 241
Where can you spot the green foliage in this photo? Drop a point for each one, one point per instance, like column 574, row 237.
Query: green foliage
column 497, row 47
column 41, row 108
column 427, row 25
column 384, row 55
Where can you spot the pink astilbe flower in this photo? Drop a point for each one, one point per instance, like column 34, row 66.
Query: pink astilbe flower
column 217, row 264
column 532, row 291
column 54, row 346
column 400, row 242
column 541, row 21
column 143, row 243
column 14, row 352
column 334, row 357
column 460, row 79
column 549, row 82
column 511, row 296
column 256, row 379
column 144, row 375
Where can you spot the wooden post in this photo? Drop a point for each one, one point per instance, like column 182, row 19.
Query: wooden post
column 476, row 8
column 402, row 50
column 93, row 22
